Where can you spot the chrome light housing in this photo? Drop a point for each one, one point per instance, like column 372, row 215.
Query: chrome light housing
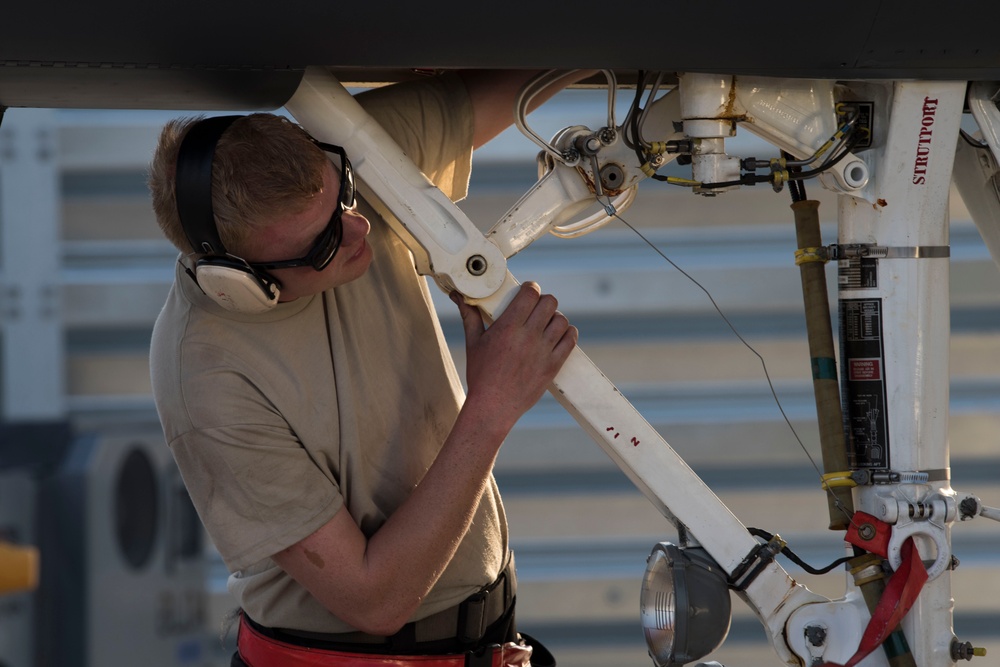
column 685, row 604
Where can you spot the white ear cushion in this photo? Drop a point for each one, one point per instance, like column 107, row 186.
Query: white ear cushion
column 236, row 289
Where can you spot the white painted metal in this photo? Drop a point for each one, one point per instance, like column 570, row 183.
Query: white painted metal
column 554, row 200
column 797, row 116
column 794, row 115
column 904, row 204
column 707, row 112
column 448, row 244
column 976, row 171
column 850, row 616
column 706, row 105
column 668, row 483
column 901, row 201
column 32, row 357
column 561, row 194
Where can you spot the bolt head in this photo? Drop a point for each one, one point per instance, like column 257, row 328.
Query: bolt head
column 866, row 531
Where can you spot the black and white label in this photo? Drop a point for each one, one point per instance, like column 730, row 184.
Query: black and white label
column 864, row 382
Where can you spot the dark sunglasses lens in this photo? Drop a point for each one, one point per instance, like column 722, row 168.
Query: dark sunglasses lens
column 328, row 243
column 347, row 173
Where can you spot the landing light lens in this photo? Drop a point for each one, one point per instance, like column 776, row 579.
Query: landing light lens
column 685, row 604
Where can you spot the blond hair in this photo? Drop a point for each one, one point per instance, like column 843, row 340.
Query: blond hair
column 264, row 166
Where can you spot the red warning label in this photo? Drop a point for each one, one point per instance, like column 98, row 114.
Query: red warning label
column 862, row 370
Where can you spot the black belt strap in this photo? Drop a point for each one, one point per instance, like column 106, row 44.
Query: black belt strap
column 480, row 610
column 481, row 657
column 456, row 629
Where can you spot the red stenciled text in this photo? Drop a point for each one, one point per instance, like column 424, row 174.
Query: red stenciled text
column 924, row 141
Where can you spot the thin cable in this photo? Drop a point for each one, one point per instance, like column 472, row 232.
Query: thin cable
column 725, row 319
column 767, row 375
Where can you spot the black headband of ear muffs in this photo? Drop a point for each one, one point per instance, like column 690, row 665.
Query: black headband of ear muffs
column 193, row 187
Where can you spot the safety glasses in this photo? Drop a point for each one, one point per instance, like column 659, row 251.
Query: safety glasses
column 328, row 241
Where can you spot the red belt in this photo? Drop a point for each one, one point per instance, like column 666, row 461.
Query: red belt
column 256, row 650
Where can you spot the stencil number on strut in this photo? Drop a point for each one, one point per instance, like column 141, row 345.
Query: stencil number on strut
column 633, row 439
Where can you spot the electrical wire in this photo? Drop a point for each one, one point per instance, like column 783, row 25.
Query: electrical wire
column 846, row 137
column 731, row 327
column 752, row 179
column 836, row 148
column 791, row 171
column 653, row 92
column 770, row 383
column 594, row 222
column 796, row 187
column 632, row 126
column 792, row 556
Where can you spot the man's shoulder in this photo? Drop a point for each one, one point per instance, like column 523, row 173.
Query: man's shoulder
column 415, row 93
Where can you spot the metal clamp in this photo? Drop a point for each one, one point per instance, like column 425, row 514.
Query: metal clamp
column 862, row 250
column 869, row 477
column 927, row 517
column 758, row 559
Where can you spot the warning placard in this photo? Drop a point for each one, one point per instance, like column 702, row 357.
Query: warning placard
column 864, row 369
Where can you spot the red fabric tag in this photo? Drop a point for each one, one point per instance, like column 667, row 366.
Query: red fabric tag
column 878, row 543
column 900, row 593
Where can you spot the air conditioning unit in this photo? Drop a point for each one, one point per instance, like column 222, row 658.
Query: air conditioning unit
column 123, row 572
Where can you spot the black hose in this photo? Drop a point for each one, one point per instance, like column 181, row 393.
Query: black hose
column 788, row 553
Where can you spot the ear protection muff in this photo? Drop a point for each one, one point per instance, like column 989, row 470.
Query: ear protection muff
column 227, row 279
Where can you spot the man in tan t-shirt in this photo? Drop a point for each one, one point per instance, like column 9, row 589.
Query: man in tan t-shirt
column 325, row 439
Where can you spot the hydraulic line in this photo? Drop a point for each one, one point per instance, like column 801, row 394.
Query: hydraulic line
column 833, row 440
column 865, row 567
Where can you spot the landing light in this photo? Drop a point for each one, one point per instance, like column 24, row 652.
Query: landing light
column 685, row 604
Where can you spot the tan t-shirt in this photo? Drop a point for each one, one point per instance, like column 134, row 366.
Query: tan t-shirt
column 344, row 398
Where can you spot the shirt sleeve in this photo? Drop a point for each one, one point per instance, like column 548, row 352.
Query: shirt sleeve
column 431, row 120
column 248, row 474
column 259, row 498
